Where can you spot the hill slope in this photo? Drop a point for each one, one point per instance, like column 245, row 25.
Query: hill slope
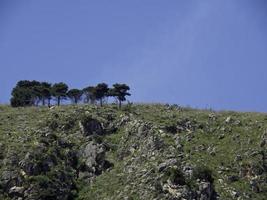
column 139, row 152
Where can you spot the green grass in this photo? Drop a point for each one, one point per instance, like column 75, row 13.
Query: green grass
column 21, row 128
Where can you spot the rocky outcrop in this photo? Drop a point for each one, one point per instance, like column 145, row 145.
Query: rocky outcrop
column 93, row 161
column 90, row 126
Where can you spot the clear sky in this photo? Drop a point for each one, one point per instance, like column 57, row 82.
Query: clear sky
column 202, row 53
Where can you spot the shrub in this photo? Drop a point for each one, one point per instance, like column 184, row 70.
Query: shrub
column 175, row 176
column 203, row 173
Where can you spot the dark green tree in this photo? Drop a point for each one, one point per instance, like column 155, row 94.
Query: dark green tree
column 101, row 91
column 27, row 84
column 90, row 94
column 59, row 91
column 37, row 94
column 46, row 92
column 119, row 91
column 22, row 97
column 25, row 93
column 75, row 95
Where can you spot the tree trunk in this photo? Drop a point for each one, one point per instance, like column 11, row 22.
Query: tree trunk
column 48, row 102
column 37, row 102
column 119, row 104
column 58, row 101
column 43, row 101
column 101, row 102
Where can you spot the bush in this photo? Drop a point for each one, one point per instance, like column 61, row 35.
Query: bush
column 171, row 128
column 203, row 173
column 175, row 176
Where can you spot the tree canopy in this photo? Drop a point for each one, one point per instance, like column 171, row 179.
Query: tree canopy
column 30, row 93
column 75, row 95
column 59, row 90
column 101, row 91
column 120, row 91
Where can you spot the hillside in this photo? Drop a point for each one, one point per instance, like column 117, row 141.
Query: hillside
column 139, row 152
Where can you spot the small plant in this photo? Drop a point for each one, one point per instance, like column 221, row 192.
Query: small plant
column 175, row 176
column 203, row 173
column 53, row 125
column 171, row 128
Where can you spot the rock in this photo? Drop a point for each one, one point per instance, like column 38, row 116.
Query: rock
column 228, row 120
column 237, row 122
column 90, row 126
column 168, row 163
column 29, row 166
column 64, row 143
column 124, row 120
column 8, row 179
column 233, row 178
column 142, row 129
column 205, row 190
column 238, row 158
column 263, row 141
column 16, row 191
column 52, row 107
column 220, row 181
column 221, row 136
column 188, row 170
column 212, row 116
column 254, row 185
column 93, row 153
column 2, row 149
column 185, row 125
column 94, row 158
column 211, row 151
column 177, row 192
column 235, row 194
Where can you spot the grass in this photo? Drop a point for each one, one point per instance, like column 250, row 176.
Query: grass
column 210, row 140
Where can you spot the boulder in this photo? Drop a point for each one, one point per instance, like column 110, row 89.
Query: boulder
column 205, row 191
column 166, row 164
column 90, row 126
column 93, row 155
column 16, row 191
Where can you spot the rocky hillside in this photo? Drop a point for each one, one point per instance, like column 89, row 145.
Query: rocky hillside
column 140, row 152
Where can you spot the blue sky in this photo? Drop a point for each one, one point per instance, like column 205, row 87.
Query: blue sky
column 206, row 54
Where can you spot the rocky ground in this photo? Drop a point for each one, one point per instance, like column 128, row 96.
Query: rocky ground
column 140, row 152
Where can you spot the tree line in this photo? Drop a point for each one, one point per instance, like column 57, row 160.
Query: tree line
column 35, row 93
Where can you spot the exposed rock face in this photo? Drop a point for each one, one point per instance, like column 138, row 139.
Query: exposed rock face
column 93, row 157
column 171, row 177
column 90, row 126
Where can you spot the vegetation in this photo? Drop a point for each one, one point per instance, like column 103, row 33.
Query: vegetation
column 75, row 95
column 86, row 152
column 59, row 90
column 30, row 93
column 120, row 92
column 101, row 91
column 26, row 93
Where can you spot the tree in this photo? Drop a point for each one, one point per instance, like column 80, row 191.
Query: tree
column 101, row 91
column 120, row 91
column 21, row 97
column 25, row 93
column 75, row 95
column 37, row 94
column 59, row 90
column 27, row 84
column 29, row 93
column 90, row 94
column 46, row 92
